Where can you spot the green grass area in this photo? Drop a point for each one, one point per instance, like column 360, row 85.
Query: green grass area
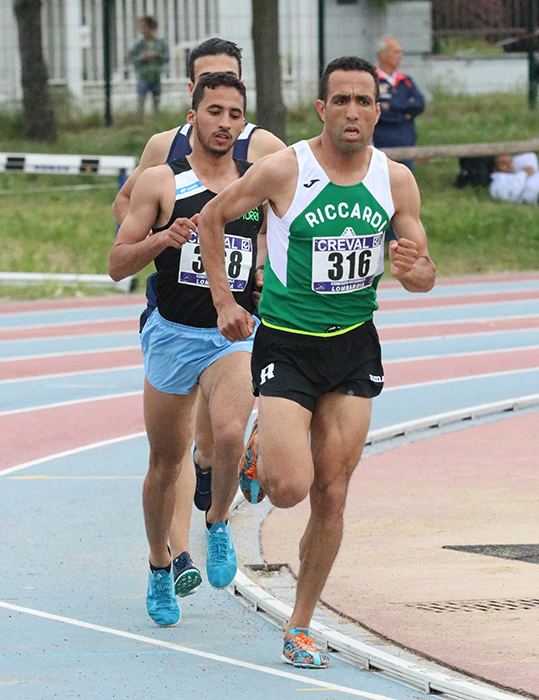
column 483, row 118
column 469, row 232
column 466, row 46
column 59, row 231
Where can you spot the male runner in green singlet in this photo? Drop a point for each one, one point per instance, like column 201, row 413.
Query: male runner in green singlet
column 316, row 360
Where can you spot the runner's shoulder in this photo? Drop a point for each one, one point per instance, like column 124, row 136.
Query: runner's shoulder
column 263, row 143
column 156, row 150
column 153, row 176
column 400, row 176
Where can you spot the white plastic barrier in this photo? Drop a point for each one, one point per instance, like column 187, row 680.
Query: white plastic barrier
column 67, row 164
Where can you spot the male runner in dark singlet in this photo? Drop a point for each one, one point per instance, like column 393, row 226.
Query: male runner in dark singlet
column 183, row 349
column 253, row 143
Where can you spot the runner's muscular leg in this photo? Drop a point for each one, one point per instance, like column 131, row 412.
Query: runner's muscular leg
column 185, row 486
column 284, row 466
column 203, row 434
column 183, row 504
column 339, row 429
column 226, row 385
column 169, row 425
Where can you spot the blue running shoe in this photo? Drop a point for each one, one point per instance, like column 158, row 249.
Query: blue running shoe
column 221, row 562
column 187, row 577
column 161, row 602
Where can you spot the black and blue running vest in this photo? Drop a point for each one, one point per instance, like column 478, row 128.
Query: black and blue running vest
column 183, row 293
column 179, row 148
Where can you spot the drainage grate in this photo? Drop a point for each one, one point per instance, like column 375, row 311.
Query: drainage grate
column 477, row 605
column 520, row 552
column 266, row 568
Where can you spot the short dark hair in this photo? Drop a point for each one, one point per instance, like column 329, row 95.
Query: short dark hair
column 214, row 47
column 149, row 21
column 347, row 63
column 215, row 80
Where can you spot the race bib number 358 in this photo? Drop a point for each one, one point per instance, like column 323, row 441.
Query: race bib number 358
column 238, row 262
column 345, row 263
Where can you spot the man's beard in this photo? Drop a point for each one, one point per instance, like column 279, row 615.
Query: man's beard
column 206, row 144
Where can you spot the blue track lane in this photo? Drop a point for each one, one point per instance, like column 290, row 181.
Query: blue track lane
column 84, row 558
column 72, row 540
column 16, row 349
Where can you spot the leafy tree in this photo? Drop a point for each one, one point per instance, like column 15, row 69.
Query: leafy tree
column 270, row 109
column 38, row 115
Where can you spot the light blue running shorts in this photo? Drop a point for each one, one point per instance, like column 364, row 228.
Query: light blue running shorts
column 176, row 355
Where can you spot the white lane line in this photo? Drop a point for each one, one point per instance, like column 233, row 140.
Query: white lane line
column 452, row 380
column 415, row 385
column 444, row 322
column 71, row 336
column 68, row 453
column 448, row 337
column 46, row 355
column 59, row 404
column 60, row 324
column 474, row 332
column 79, row 373
column 471, row 353
column 297, row 678
column 461, row 309
column 482, row 320
column 91, row 305
column 414, row 358
column 50, row 477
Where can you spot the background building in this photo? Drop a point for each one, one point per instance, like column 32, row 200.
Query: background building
column 73, row 44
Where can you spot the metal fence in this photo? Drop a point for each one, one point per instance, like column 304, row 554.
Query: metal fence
column 181, row 23
column 72, row 33
column 489, row 19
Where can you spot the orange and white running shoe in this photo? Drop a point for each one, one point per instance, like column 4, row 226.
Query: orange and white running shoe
column 300, row 651
column 249, row 484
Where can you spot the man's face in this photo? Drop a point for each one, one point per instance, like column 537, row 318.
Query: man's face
column 220, row 63
column 504, row 163
column 350, row 111
column 218, row 119
column 391, row 56
column 145, row 30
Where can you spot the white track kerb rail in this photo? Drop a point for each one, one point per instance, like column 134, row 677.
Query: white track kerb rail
column 67, row 164
column 440, row 683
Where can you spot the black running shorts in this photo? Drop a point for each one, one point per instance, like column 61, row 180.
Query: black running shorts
column 303, row 367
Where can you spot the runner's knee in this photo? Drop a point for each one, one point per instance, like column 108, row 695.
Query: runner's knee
column 228, row 437
column 285, row 492
column 165, row 467
column 329, row 498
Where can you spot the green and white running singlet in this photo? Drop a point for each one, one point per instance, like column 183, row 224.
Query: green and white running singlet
column 326, row 254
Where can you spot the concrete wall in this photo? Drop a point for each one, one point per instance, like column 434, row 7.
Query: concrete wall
column 474, row 76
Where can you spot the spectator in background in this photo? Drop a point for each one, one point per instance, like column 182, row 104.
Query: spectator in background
column 149, row 55
column 400, row 100
column 515, row 178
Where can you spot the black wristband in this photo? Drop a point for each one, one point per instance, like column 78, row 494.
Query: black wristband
column 259, row 267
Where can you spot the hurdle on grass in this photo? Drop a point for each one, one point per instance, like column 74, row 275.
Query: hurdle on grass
column 67, row 164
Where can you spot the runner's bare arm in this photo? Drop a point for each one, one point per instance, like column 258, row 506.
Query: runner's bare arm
column 154, row 153
column 134, row 248
column 409, row 255
column 258, row 184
